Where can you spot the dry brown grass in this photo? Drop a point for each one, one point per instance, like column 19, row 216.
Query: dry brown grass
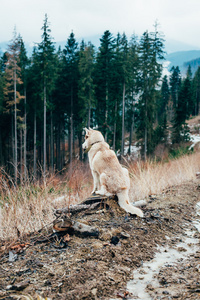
column 152, row 178
column 29, row 207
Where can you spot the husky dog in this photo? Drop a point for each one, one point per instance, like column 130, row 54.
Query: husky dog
column 109, row 177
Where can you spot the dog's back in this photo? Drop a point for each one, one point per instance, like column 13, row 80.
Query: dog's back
column 106, row 162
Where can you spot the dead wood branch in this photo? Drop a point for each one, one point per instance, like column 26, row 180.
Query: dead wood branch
column 89, row 204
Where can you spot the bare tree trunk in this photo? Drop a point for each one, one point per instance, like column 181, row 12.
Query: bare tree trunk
column 21, row 156
column 145, row 132
column 34, row 151
column 106, row 113
column 58, row 147
column 25, row 135
column 63, row 150
column 45, row 135
column 13, row 137
column 1, row 154
column 89, row 115
column 52, row 144
column 115, row 128
column 123, row 111
column 71, row 131
column 15, row 119
column 131, row 134
column 132, row 128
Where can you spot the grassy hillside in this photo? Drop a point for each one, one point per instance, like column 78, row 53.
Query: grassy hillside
column 30, row 207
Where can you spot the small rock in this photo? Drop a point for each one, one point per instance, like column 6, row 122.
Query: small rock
column 165, row 292
column 125, row 235
column 105, row 235
column 97, row 245
column 12, row 256
column 94, row 291
column 125, row 241
column 163, row 281
column 114, row 240
column 181, row 249
column 9, row 287
column 19, row 286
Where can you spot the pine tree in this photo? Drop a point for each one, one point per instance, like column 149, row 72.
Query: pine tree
column 47, row 54
column 132, row 86
column 196, row 92
column 124, row 43
column 23, row 63
column 103, row 75
column 183, row 111
column 71, row 82
column 116, row 93
column 12, row 95
column 2, row 128
column 162, row 105
column 150, row 56
column 86, row 83
column 164, row 99
column 175, row 82
column 34, row 105
column 61, row 111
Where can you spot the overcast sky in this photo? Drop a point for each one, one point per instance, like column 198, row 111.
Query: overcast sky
column 178, row 19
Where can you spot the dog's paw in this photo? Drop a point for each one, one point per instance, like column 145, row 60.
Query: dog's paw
column 100, row 192
column 108, row 194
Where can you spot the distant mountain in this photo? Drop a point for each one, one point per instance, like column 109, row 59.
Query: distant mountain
column 194, row 64
column 172, row 46
column 182, row 59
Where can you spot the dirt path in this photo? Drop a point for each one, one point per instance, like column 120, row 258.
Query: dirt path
column 100, row 268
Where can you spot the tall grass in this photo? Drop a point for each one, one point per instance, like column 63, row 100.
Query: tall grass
column 29, row 207
column 153, row 177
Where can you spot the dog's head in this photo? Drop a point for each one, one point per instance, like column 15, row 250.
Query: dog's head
column 91, row 137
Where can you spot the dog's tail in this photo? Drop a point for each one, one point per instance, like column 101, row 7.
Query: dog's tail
column 123, row 200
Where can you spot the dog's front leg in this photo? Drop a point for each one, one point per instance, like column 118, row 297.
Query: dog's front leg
column 96, row 181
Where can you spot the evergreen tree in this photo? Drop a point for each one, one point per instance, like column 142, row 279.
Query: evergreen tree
column 175, row 82
column 116, row 94
column 183, row 111
column 12, row 94
column 162, row 105
column 71, row 86
column 23, row 63
column 150, row 56
column 164, row 99
column 34, row 104
column 86, row 83
column 196, row 92
column 2, row 115
column 132, row 86
column 103, row 76
column 124, row 43
column 46, row 51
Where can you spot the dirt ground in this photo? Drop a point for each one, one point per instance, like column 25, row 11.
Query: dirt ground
column 77, row 267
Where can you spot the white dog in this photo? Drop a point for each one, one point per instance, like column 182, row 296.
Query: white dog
column 110, row 178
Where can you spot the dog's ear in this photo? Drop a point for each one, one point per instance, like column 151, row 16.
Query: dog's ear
column 86, row 130
column 90, row 129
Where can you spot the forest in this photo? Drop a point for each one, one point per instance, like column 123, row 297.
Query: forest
column 48, row 98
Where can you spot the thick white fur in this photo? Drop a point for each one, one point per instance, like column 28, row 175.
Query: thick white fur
column 109, row 177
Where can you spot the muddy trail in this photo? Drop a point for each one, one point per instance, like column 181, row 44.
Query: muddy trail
column 118, row 263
